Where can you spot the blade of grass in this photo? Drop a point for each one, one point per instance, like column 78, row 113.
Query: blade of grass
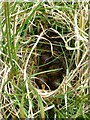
column 47, row 71
column 39, row 101
column 7, row 16
column 22, row 115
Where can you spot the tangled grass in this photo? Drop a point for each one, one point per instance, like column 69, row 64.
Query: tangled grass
column 23, row 27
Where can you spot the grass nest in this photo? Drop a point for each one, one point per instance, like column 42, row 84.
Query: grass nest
column 51, row 61
column 54, row 65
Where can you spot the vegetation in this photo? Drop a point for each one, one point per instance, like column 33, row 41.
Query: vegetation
column 44, row 60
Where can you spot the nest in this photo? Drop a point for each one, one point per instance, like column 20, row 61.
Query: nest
column 51, row 62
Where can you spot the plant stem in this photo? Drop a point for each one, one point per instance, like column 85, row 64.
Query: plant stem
column 8, row 34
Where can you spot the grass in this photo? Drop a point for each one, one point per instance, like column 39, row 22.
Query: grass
column 44, row 41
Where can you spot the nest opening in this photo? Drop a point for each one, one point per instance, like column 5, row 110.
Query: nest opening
column 52, row 67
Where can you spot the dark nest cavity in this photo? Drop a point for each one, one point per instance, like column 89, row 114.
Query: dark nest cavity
column 51, row 64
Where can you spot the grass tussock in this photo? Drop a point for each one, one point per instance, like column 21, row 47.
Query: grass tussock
column 44, row 60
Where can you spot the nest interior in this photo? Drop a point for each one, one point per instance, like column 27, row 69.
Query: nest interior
column 53, row 65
